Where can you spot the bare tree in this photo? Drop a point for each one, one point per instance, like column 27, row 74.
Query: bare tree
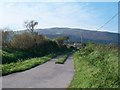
column 30, row 25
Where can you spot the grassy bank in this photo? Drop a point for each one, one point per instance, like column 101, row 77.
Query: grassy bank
column 24, row 65
column 96, row 66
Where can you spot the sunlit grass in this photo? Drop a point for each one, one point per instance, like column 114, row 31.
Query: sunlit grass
column 62, row 59
column 96, row 66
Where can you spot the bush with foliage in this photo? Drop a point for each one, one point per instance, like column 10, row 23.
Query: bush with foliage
column 23, row 41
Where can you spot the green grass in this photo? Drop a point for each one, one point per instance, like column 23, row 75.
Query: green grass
column 96, row 66
column 62, row 59
column 24, row 65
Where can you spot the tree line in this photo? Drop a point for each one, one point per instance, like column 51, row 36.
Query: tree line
column 31, row 40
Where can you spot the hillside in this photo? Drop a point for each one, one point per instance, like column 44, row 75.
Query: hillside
column 75, row 35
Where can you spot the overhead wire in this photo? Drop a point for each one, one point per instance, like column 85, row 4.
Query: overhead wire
column 108, row 21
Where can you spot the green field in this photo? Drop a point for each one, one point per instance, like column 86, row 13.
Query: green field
column 96, row 66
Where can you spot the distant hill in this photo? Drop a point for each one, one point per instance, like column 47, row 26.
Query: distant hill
column 76, row 34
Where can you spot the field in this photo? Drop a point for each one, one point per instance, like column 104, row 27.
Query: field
column 96, row 66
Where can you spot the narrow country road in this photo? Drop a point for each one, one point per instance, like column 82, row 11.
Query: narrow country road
column 48, row 75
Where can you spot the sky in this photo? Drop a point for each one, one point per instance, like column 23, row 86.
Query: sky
column 84, row 15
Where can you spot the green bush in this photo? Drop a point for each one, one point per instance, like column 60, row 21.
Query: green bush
column 13, row 57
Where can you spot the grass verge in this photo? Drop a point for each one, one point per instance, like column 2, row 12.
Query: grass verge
column 96, row 66
column 24, row 65
column 62, row 59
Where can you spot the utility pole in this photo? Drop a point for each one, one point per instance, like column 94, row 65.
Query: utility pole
column 81, row 40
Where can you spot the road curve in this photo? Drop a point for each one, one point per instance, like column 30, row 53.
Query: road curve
column 48, row 75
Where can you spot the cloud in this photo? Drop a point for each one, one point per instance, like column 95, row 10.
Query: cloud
column 78, row 15
column 59, row 0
